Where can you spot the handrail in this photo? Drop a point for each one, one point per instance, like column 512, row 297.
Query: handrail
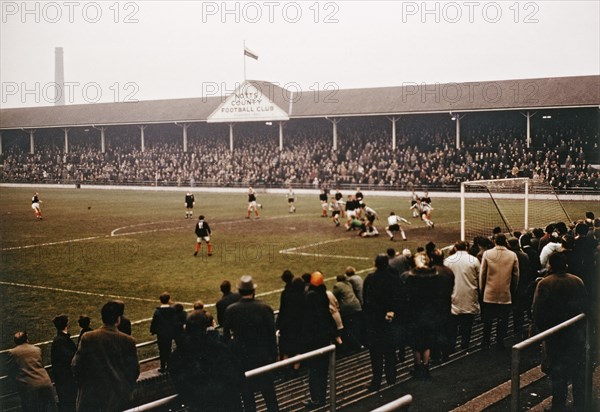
column 516, row 352
column 264, row 369
column 399, row 403
column 154, row 404
column 289, row 361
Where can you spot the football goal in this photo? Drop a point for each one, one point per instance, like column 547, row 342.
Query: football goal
column 511, row 204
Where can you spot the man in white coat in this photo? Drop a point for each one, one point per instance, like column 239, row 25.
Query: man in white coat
column 465, row 296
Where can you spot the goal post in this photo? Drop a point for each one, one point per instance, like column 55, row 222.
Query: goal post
column 511, row 204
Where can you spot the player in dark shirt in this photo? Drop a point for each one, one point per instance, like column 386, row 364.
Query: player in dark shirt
column 35, row 205
column 189, row 205
column 323, row 201
column 426, row 198
column 351, row 209
column 252, row 203
column 203, row 232
column 359, row 195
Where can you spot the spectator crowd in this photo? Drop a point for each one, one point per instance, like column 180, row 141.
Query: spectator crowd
column 563, row 153
column 423, row 299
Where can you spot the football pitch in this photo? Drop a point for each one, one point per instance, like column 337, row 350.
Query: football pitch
column 97, row 245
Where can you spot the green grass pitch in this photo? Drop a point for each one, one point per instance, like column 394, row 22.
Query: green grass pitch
column 94, row 245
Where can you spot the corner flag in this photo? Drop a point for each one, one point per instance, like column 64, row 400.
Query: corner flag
column 250, row 54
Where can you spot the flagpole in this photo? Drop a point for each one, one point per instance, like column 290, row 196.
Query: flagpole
column 244, row 55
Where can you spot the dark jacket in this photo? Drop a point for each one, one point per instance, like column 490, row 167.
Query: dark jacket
column 223, row 303
column 525, row 279
column 252, row 324
column 559, row 297
column 125, row 325
column 106, row 368
column 382, row 293
column 61, row 354
column 289, row 320
column 429, row 294
column 206, row 374
column 581, row 262
column 164, row 322
column 318, row 326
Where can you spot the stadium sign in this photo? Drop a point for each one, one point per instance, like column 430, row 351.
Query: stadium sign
column 246, row 104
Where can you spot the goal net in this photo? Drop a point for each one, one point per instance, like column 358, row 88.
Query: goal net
column 511, row 204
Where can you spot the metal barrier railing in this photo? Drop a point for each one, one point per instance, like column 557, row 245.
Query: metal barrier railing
column 400, row 403
column 268, row 368
column 516, row 355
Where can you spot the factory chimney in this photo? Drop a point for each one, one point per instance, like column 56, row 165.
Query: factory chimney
column 59, row 77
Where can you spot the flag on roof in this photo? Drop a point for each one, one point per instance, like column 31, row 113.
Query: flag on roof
column 249, row 53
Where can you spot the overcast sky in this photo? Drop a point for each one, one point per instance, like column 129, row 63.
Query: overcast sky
column 145, row 50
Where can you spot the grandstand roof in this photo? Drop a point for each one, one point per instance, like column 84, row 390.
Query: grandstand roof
column 557, row 92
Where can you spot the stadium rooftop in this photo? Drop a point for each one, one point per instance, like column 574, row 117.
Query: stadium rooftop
column 410, row 98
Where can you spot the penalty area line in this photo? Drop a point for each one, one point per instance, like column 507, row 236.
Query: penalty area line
column 295, row 251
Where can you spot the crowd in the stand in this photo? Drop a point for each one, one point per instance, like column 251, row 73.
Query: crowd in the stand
column 419, row 299
column 426, row 155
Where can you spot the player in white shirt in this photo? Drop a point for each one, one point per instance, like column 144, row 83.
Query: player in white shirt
column 394, row 226
column 291, row 197
column 336, row 208
column 424, row 210
column 413, row 201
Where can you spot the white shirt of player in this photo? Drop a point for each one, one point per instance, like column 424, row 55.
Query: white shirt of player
column 370, row 211
column 393, row 220
column 422, row 207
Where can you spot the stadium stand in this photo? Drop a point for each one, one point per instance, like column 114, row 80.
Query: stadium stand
column 492, row 146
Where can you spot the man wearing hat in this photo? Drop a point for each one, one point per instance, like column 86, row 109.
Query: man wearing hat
column 251, row 324
column 61, row 354
column 319, row 329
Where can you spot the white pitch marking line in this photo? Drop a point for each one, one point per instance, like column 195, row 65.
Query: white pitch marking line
column 311, row 245
column 293, row 251
column 79, row 292
column 329, row 256
column 114, row 234
column 60, row 242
